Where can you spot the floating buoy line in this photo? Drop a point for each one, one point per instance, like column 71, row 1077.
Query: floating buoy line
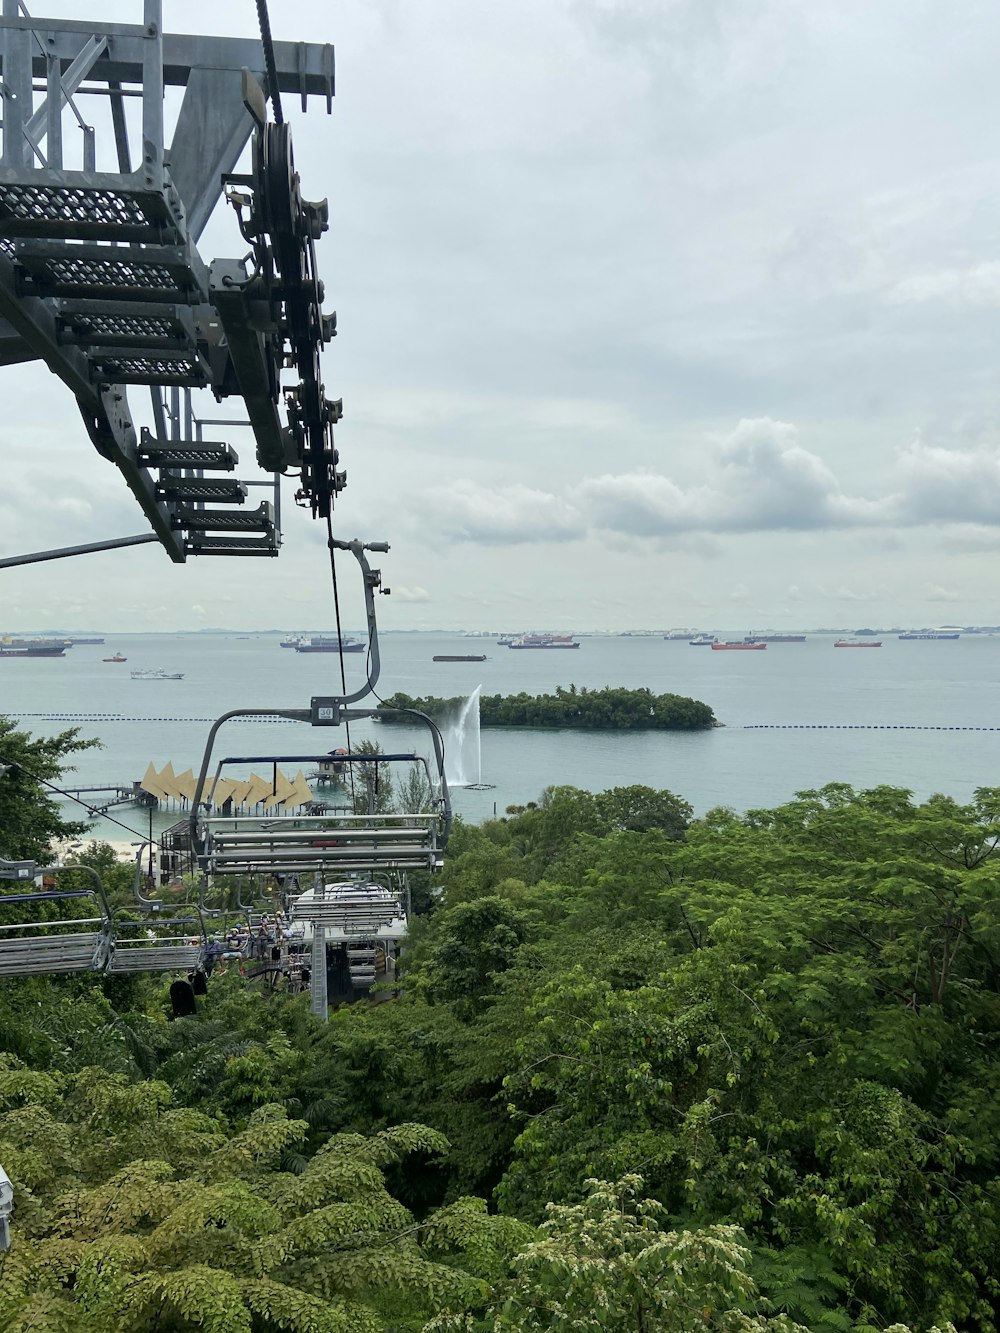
column 854, row 726
column 122, row 717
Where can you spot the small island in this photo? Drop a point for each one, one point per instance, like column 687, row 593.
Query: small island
column 607, row 709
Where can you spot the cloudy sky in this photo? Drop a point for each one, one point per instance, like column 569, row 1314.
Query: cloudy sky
column 652, row 313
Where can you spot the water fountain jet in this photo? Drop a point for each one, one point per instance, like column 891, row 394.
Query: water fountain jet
column 463, row 757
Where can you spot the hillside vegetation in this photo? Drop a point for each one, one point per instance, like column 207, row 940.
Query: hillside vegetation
column 647, row 1072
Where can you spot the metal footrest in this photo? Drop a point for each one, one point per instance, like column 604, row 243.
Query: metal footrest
column 118, row 272
column 88, row 206
column 232, row 545
column 139, row 365
column 223, row 490
column 260, row 519
column 125, row 324
column 201, row 454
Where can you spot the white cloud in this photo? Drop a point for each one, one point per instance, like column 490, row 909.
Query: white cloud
column 415, row 594
column 506, row 515
column 759, row 480
column 935, row 593
column 975, row 285
column 762, row 481
column 948, row 485
column 874, row 594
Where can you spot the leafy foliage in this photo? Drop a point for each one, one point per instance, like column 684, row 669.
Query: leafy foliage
column 607, row 709
column 30, row 817
column 786, row 1023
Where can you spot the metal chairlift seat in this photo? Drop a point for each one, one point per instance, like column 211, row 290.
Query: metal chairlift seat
column 236, row 845
column 361, row 966
column 353, row 911
column 80, row 944
column 158, row 945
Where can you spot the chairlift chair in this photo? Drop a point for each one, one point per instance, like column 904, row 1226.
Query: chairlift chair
column 159, row 944
column 331, row 843
column 35, row 946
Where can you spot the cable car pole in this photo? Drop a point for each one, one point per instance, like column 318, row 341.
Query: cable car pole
column 318, row 1003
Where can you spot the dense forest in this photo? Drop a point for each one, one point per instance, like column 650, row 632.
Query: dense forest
column 646, row 1072
column 609, row 709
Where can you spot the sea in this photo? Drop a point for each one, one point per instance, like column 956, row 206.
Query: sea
column 924, row 715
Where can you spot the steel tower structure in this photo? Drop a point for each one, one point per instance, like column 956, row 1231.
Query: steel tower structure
column 102, row 280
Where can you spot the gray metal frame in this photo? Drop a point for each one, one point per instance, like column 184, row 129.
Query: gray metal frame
column 100, row 276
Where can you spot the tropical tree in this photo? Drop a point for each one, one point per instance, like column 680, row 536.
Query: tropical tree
column 30, row 770
column 135, row 1215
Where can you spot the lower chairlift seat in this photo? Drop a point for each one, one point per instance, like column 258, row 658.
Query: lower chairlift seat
column 80, row 944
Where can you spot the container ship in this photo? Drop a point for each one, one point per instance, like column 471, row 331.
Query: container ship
column 544, row 641
column 322, row 643
column 21, row 648
column 931, row 634
column 37, row 647
column 775, row 638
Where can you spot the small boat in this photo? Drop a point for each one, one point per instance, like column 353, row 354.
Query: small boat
column 156, row 673
column 858, row 643
column 755, row 647
column 459, row 657
column 117, row 658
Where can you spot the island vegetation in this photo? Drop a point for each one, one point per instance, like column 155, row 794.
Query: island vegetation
column 734, row 1074
column 608, row 709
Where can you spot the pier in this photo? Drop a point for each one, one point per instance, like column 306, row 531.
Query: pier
column 117, row 794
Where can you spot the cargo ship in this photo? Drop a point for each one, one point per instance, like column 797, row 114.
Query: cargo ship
column 755, row 646
column 931, row 634
column 775, row 638
column 459, row 657
column 544, row 641
column 323, row 643
column 24, row 649
column 854, row 643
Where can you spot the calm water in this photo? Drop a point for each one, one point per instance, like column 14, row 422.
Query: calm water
column 920, row 683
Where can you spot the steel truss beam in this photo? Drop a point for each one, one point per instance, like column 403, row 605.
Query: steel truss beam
column 142, row 309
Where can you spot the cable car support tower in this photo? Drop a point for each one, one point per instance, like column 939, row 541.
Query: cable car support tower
column 101, row 277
